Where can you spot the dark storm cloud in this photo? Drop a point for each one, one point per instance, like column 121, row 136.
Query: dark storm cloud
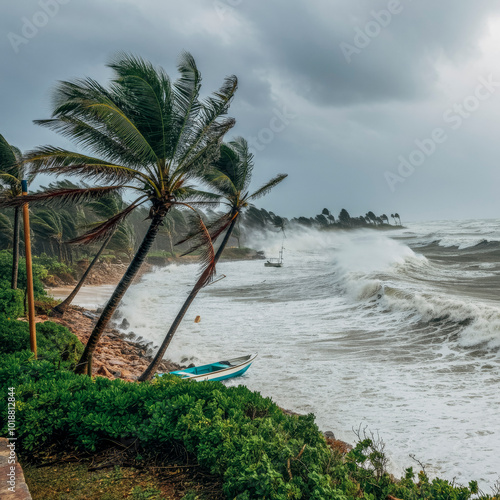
column 351, row 119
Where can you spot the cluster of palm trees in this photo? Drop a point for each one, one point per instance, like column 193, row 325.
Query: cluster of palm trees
column 326, row 219
column 158, row 144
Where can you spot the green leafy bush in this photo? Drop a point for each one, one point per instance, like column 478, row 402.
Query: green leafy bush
column 54, row 266
column 11, row 302
column 39, row 273
column 259, row 451
column 54, row 342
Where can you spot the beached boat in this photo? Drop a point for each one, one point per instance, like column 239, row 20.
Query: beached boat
column 275, row 262
column 217, row 371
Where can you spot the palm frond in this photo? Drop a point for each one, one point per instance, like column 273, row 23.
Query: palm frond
column 8, row 161
column 93, row 137
column 103, row 230
column 149, row 89
column 103, row 111
column 62, row 196
column 186, row 105
column 267, row 187
column 207, row 256
column 215, row 229
column 57, row 161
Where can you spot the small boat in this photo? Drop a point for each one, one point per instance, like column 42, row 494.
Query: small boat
column 217, row 371
column 275, row 262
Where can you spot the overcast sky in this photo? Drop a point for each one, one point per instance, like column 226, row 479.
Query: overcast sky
column 390, row 106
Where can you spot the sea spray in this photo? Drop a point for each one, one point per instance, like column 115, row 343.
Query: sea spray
column 359, row 327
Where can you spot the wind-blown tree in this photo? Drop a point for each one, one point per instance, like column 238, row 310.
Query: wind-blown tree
column 384, row 217
column 6, row 232
column 230, row 178
column 396, row 215
column 142, row 133
column 12, row 172
column 372, row 217
column 344, row 218
column 172, row 226
column 104, row 208
column 280, row 224
column 321, row 220
column 48, row 226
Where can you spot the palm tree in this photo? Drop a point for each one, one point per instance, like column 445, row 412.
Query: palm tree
column 48, row 226
column 144, row 134
column 399, row 218
column 230, row 177
column 372, row 217
column 105, row 208
column 344, row 218
column 12, row 172
column 6, row 232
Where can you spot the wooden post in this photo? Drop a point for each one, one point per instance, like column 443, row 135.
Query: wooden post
column 29, row 272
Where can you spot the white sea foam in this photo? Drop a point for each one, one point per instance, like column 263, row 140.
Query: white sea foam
column 357, row 328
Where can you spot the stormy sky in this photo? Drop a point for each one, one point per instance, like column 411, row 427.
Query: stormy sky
column 390, row 106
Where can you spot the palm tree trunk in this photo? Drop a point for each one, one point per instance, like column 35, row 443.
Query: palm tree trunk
column 119, row 292
column 172, row 251
column 67, row 301
column 153, row 367
column 15, row 249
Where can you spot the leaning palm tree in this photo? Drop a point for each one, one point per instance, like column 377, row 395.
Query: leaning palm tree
column 12, row 172
column 144, row 134
column 105, row 208
column 230, row 178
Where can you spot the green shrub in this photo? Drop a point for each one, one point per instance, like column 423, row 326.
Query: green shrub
column 39, row 273
column 11, row 302
column 245, row 438
column 54, row 342
column 54, row 266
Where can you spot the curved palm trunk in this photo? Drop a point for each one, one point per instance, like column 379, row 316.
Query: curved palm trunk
column 119, row 292
column 15, row 249
column 153, row 367
column 67, row 301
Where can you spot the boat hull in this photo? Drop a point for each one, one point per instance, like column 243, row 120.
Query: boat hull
column 221, row 370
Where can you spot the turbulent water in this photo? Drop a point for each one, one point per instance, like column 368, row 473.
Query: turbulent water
column 396, row 331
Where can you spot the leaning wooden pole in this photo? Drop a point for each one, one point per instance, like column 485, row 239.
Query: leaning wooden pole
column 29, row 272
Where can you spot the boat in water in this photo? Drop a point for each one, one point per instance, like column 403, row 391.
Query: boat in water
column 221, row 370
column 275, row 262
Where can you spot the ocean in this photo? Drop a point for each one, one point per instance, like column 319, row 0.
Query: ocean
column 395, row 333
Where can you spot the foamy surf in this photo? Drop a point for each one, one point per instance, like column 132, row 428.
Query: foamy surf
column 360, row 327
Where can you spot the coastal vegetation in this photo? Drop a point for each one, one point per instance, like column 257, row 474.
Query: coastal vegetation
column 143, row 134
column 232, row 433
column 159, row 140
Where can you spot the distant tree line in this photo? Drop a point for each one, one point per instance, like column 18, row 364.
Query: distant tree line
column 261, row 219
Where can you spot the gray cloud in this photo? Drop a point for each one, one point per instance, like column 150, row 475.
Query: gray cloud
column 352, row 120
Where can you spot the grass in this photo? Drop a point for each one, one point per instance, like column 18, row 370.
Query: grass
column 95, row 478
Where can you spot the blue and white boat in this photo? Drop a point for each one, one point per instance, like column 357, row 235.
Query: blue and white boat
column 217, row 371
